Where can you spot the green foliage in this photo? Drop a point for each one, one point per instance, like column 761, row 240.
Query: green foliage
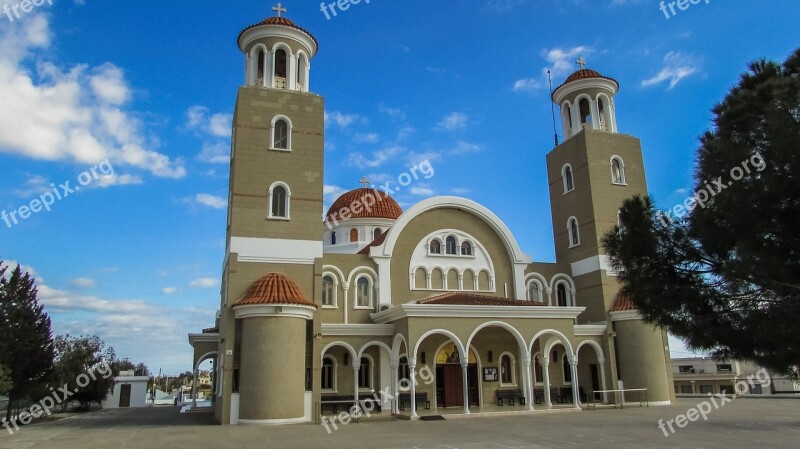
column 82, row 359
column 727, row 277
column 5, row 381
column 26, row 340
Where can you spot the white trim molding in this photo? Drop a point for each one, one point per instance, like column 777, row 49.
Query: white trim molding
column 592, row 264
column 276, row 250
column 274, row 310
column 626, row 315
column 590, row 330
column 451, row 311
column 358, row 330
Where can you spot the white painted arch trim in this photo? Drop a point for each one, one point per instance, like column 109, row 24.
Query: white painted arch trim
column 556, row 337
column 449, row 202
column 503, row 325
column 277, row 311
column 342, row 344
column 601, row 357
column 461, row 352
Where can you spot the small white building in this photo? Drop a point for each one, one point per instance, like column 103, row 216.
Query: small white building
column 129, row 391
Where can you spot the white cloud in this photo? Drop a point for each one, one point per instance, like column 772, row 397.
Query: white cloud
column 83, row 283
column 463, row 147
column 376, row 158
column 204, row 283
column 215, row 153
column 366, row 138
column 562, row 61
column 170, row 290
column 528, row 85
column 395, row 114
column 453, row 121
column 212, row 201
column 74, row 115
column 34, row 186
column 677, row 67
column 341, row 120
column 118, row 180
column 199, row 118
column 422, row 191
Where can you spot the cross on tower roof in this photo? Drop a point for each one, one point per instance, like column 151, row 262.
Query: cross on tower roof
column 364, row 181
column 279, row 9
column 581, row 62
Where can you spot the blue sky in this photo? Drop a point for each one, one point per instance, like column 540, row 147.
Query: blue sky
column 151, row 86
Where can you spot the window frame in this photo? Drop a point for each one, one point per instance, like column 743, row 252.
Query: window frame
column 430, row 247
column 574, row 232
column 369, row 375
column 455, row 248
column 568, row 178
column 334, row 367
column 334, row 290
column 288, row 205
column 621, row 181
column 512, row 369
column 370, row 292
column 539, row 297
column 273, row 134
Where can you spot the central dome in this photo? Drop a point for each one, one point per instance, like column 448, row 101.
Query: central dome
column 364, row 203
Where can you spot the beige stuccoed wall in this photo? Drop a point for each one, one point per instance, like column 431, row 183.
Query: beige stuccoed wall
column 346, row 263
column 271, row 375
column 446, row 218
column 643, row 359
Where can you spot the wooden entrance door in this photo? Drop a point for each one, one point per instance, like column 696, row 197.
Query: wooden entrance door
column 125, row 396
column 453, row 386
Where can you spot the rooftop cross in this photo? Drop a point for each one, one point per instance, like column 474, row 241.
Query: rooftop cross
column 364, row 181
column 581, row 62
column 279, row 9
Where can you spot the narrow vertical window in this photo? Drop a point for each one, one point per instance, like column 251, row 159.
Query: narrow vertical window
column 451, row 245
column 436, row 247
column 569, row 181
column 354, row 235
column 573, row 231
column 617, row 171
column 333, row 238
column 328, row 291
column 280, row 63
column 363, row 293
column 281, row 135
column 376, row 234
column 280, row 202
column 365, row 374
column 561, row 295
column 466, row 249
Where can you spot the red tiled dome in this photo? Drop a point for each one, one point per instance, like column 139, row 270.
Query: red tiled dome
column 585, row 74
column 282, row 21
column 356, row 201
column 274, row 288
column 622, row 303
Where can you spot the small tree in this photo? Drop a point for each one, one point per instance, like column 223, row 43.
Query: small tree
column 26, row 339
column 76, row 358
column 5, row 381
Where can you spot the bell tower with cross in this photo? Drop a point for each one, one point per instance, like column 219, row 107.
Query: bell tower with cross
column 275, row 209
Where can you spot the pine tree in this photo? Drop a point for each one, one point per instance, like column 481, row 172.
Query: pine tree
column 26, row 340
column 726, row 277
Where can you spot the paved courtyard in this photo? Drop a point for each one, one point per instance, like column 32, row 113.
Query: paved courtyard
column 743, row 423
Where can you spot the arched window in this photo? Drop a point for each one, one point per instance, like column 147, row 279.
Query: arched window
column 328, row 291
column 262, row 58
column 364, row 292
column 328, row 373
column 574, row 233
column 567, row 371
column 562, row 295
column 538, row 370
column 437, row 279
column 617, row 171
column 377, row 233
column 281, row 134
column 567, row 176
column 585, row 111
column 466, row 249
column 507, row 368
column 354, row 235
column 436, row 246
column 302, row 70
column 420, row 279
column 365, row 373
column 279, row 201
column 333, row 238
column 280, row 63
column 451, row 245
column 469, row 280
column 534, row 292
column 601, row 108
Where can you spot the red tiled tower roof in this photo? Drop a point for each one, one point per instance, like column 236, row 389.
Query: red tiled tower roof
column 274, row 289
column 281, row 21
column 622, row 303
column 585, row 74
column 365, row 203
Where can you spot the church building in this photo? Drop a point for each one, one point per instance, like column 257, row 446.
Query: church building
column 321, row 308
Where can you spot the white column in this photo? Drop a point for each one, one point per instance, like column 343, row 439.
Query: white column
column 576, row 117
column 465, row 382
column 412, row 371
column 385, row 279
column 526, row 379
column 601, row 365
column 386, row 377
column 356, row 368
column 546, row 374
column 573, row 366
column 346, row 288
column 291, row 72
column 393, row 387
column 550, row 295
column 194, row 389
column 269, row 73
column 248, row 70
column 308, row 76
column 595, row 111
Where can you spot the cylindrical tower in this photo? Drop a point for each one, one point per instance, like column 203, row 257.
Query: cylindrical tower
column 272, row 370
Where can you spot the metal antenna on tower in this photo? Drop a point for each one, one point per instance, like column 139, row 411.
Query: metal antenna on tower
column 552, row 107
